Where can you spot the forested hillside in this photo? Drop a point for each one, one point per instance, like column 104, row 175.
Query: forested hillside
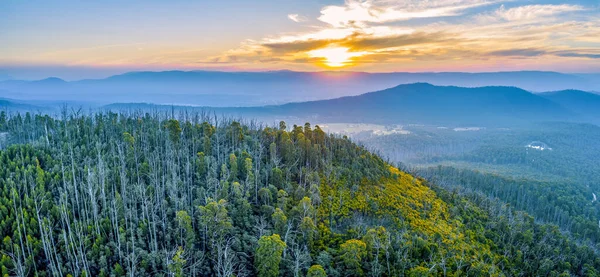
column 189, row 195
column 558, row 185
column 584, row 103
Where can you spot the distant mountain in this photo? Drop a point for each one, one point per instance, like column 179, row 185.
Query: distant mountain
column 592, row 79
column 20, row 84
column 135, row 106
column 6, row 104
column 222, row 89
column 52, row 81
column 419, row 103
column 423, row 103
column 584, row 103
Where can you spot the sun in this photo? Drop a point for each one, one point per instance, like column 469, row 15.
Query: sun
column 335, row 56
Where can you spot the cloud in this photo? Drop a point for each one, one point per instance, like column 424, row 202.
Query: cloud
column 296, row 17
column 528, row 52
column 450, row 31
column 531, row 12
column 360, row 13
column 412, row 39
column 579, row 55
column 297, row 46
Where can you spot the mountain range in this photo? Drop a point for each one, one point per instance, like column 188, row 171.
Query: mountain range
column 221, row 89
column 422, row 103
column 416, row 103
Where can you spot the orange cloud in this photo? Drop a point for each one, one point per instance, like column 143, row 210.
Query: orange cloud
column 360, row 33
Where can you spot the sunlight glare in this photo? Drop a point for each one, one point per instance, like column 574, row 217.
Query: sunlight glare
column 335, row 56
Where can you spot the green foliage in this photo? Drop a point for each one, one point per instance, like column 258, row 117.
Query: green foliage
column 216, row 219
column 352, row 253
column 555, row 185
column 268, row 255
column 174, row 129
column 316, row 271
column 279, row 220
column 419, row 271
column 177, row 263
column 233, row 167
column 186, row 231
column 120, row 195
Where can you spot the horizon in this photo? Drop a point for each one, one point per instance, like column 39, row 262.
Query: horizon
column 39, row 77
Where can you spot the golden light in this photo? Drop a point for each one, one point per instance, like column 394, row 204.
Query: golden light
column 335, row 56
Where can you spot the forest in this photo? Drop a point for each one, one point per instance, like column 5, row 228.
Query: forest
column 192, row 194
column 558, row 185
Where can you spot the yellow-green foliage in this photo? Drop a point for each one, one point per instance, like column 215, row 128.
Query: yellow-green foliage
column 409, row 204
column 411, row 201
column 353, row 252
column 268, row 255
column 316, row 271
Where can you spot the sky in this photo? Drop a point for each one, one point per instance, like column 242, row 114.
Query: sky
column 94, row 39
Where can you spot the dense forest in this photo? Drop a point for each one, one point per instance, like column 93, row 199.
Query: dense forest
column 558, row 185
column 137, row 194
column 559, row 203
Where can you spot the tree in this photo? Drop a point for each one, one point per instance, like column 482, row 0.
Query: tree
column 418, row 271
column 268, row 255
column 233, row 167
column 352, row 251
column 174, row 129
column 215, row 218
column 177, row 263
column 377, row 241
column 316, row 271
column 279, row 221
column 217, row 225
column 185, row 230
column 2, row 120
column 201, row 164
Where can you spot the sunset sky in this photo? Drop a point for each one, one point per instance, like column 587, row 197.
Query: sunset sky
column 86, row 39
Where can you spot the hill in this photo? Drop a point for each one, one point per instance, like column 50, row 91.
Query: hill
column 428, row 104
column 419, row 103
column 116, row 195
column 586, row 104
column 13, row 105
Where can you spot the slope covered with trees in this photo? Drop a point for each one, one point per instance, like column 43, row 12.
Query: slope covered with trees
column 557, row 185
column 149, row 194
column 581, row 102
